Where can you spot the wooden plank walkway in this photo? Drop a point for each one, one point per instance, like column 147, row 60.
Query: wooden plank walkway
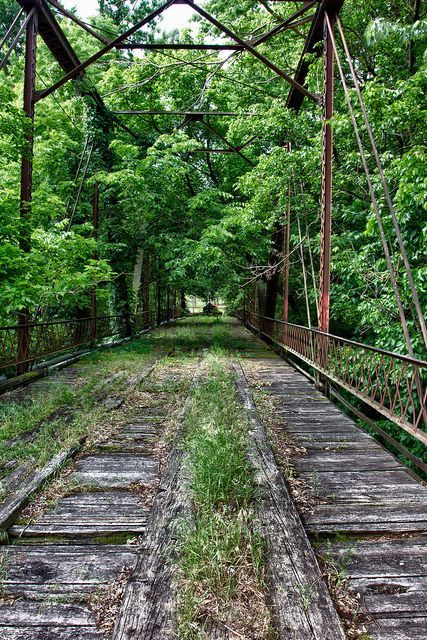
column 368, row 516
column 369, row 513
column 62, row 567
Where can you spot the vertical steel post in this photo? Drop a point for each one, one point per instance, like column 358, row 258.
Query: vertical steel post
column 326, row 208
column 95, row 222
column 23, row 333
column 159, row 295
column 147, row 290
column 286, row 264
column 286, row 241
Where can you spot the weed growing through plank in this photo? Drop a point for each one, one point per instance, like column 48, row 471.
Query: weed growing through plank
column 349, row 606
column 39, row 416
column 221, row 571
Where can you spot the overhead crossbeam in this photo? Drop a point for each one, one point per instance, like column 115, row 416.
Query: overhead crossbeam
column 315, row 35
column 251, row 49
column 194, row 115
column 77, row 70
column 289, row 23
column 169, row 46
column 286, row 24
column 120, row 41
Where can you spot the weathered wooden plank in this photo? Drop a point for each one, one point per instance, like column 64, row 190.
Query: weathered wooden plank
column 126, row 445
column 333, row 461
column 17, row 501
column 55, row 569
column 313, row 427
column 393, row 597
column 397, row 557
column 409, row 628
column 149, row 606
column 51, row 633
column 366, row 518
column 91, row 512
column 26, row 613
column 114, row 470
column 336, row 445
column 347, row 438
column 77, row 530
column 113, row 499
column 358, row 486
column 301, row 603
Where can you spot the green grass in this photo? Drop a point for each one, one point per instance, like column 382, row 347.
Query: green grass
column 216, row 443
column 53, row 436
column 221, row 554
column 186, row 339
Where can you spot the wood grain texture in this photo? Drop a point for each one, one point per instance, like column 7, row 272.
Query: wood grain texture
column 17, row 500
column 149, row 606
column 360, row 491
column 301, row 603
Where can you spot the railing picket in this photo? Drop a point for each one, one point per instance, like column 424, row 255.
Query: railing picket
column 386, row 381
column 57, row 336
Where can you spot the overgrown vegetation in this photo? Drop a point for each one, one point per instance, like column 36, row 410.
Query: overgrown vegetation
column 221, row 571
column 210, row 222
column 56, row 414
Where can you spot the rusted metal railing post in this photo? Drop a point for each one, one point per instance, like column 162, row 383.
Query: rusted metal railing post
column 23, row 332
column 147, row 290
column 286, row 241
column 93, row 305
column 159, row 295
column 326, row 207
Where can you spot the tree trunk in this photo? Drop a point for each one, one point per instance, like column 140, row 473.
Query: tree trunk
column 137, row 273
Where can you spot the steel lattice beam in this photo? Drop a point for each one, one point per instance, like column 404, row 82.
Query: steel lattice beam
column 315, row 35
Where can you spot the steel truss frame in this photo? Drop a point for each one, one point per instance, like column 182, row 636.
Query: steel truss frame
column 42, row 21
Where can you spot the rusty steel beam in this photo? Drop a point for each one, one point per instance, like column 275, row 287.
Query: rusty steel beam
column 283, row 25
column 286, row 264
column 77, row 70
column 63, row 52
column 58, row 44
column 9, row 31
column 95, row 224
column 77, row 20
column 252, row 50
column 26, row 195
column 234, row 149
column 193, row 115
column 16, row 39
column 326, row 204
column 147, row 287
column 286, row 24
column 315, row 35
column 219, row 151
column 149, row 46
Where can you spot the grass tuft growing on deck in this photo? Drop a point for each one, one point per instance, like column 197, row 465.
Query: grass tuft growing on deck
column 221, row 571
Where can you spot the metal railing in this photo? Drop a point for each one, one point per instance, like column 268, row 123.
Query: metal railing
column 23, row 345
column 392, row 384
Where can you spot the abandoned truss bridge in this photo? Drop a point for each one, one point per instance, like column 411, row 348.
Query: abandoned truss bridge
column 63, row 551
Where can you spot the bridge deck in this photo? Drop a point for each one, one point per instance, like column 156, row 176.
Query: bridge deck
column 363, row 512
column 367, row 512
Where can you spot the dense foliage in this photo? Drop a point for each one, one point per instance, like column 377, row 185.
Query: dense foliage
column 208, row 221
